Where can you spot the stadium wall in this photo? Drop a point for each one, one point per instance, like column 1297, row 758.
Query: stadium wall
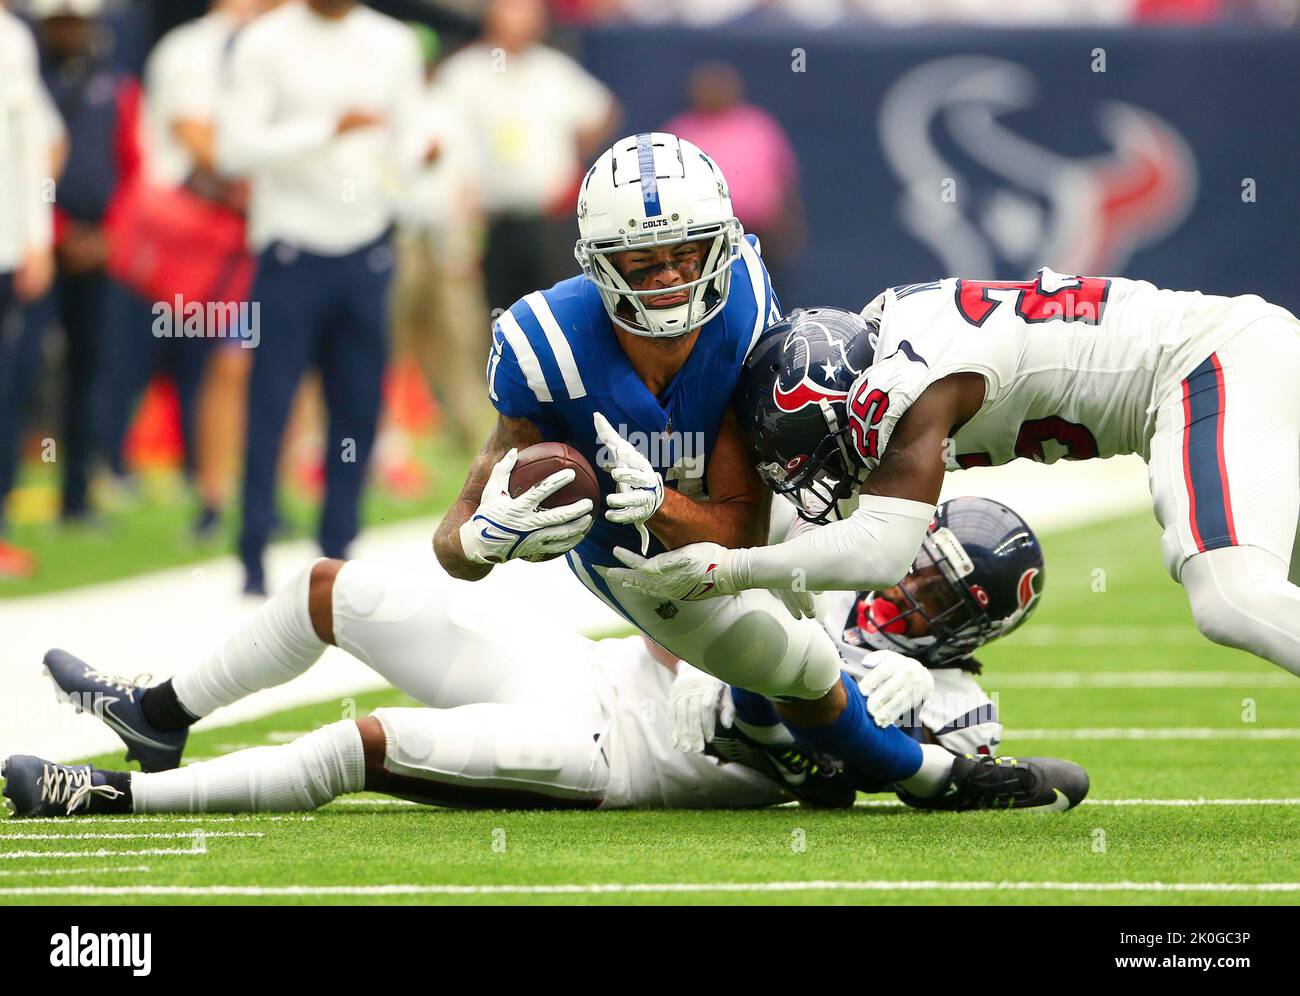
column 1161, row 154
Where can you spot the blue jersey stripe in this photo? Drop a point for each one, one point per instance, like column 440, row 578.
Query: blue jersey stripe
column 645, row 157
column 536, row 337
column 591, row 580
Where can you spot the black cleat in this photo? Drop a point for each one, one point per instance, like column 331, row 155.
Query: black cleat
column 116, row 701
column 1004, row 782
column 812, row 778
column 36, row 787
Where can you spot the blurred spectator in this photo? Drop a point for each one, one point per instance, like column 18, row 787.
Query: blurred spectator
column 26, row 258
column 318, row 116
column 586, row 11
column 754, row 154
column 537, row 116
column 695, row 13
column 439, row 307
column 100, row 109
column 182, row 235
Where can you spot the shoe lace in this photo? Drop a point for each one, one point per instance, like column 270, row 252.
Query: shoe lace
column 129, row 688
column 805, row 762
column 1001, row 775
column 64, row 785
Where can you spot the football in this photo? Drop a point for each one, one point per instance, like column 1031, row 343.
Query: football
column 538, row 462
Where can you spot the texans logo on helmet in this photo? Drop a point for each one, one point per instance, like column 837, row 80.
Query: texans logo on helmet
column 1029, row 588
column 816, row 381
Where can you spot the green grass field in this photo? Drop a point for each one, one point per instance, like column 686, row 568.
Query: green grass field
column 151, row 530
column 1110, row 673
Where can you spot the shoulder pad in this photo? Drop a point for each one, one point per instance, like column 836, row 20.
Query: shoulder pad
column 880, row 396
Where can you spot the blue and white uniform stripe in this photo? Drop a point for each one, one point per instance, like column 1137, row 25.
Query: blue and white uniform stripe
column 645, row 157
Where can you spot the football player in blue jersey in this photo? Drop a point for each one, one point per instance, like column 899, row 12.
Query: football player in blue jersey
column 634, row 363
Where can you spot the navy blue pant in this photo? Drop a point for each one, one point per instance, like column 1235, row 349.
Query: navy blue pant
column 76, row 303
column 133, row 356
column 331, row 312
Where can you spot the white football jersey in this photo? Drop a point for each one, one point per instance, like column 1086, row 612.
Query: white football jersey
column 1073, row 366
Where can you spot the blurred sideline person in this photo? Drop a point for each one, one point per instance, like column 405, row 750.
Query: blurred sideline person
column 439, row 309
column 537, row 116
column 194, row 248
column 755, row 154
column 100, row 109
column 26, row 249
column 539, row 719
column 318, row 115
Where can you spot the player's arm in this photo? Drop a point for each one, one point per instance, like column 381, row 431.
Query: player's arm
column 736, row 513
column 507, row 434
column 872, row 548
column 875, row 546
column 486, row 526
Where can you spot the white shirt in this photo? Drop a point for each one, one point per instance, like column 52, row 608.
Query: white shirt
column 182, row 80
column 26, row 213
column 444, row 193
column 527, row 110
column 292, row 75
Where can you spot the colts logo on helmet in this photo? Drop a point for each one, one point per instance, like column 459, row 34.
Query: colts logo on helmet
column 802, row 383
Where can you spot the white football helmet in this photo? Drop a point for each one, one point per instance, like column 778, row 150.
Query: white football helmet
column 655, row 189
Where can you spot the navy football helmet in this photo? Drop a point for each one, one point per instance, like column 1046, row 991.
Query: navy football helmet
column 791, row 402
column 978, row 576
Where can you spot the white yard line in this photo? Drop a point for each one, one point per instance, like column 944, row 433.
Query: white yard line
column 102, row 853
column 1055, row 635
column 1141, row 679
column 105, row 870
column 619, row 888
column 895, row 803
column 1153, row 733
column 169, row 819
column 188, row 835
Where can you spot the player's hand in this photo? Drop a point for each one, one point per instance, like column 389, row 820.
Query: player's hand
column 689, row 573
column 640, row 487
column 894, row 686
column 505, row 528
column 355, row 120
column 799, row 603
column 34, row 275
column 698, row 704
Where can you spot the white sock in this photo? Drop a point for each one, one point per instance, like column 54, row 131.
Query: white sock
column 936, row 766
column 774, row 735
column 301, row 775
column 277, row 643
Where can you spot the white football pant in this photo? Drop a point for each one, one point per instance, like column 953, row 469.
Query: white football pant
column 1225, row 477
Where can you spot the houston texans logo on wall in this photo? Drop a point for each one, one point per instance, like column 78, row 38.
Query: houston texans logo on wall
column 1013, row 201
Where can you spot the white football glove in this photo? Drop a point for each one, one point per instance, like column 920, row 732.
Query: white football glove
column 799, row 603
column 894, row 686
column 689, row 573
column 505, row 528
column 640, row 487
column 698, row 704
